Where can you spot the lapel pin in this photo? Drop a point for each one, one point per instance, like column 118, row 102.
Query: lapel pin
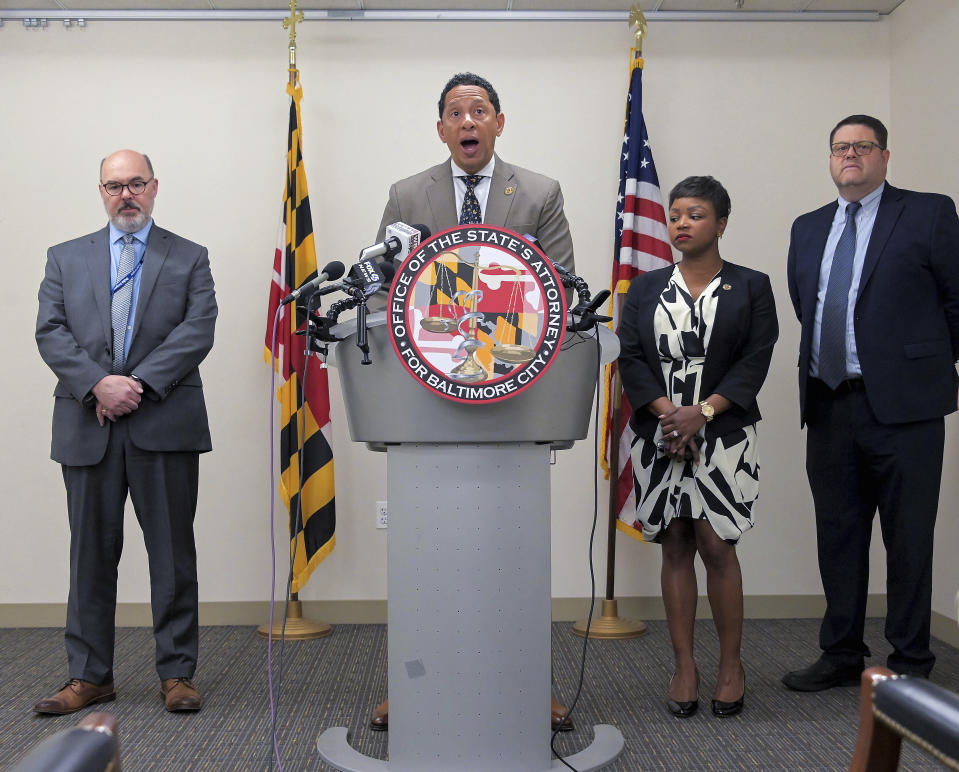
column 727, row 287
column 509, row 190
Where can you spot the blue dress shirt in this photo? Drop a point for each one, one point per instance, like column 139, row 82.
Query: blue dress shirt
column 116, row 247
column 865, row 219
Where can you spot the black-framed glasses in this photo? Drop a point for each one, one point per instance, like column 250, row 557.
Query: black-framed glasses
column 839, row 149
column 136, row 187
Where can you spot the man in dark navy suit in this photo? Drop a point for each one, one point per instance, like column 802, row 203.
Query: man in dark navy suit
column 874, row 279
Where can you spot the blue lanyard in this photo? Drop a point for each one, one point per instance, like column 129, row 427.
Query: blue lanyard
column 128, row 278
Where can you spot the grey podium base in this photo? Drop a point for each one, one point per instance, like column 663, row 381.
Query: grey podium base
column 335, row 750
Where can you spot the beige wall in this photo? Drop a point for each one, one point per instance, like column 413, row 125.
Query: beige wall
column 748, row 103
column 925, row 155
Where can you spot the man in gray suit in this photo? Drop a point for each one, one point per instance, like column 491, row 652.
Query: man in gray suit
column 126, row 315
column 476, row 186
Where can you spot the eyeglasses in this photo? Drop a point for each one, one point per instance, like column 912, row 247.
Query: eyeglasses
column 116, row 188
column 839, row 149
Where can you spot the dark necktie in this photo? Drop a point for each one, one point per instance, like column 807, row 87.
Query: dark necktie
column 835, row 307
column 121, row 301
column 470, row 214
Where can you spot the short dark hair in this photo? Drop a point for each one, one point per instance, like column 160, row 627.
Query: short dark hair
column 881, row 132
column 469, row 79
column 707, row 188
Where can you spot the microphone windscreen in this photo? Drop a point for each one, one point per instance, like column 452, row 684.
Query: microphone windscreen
column 334, row 270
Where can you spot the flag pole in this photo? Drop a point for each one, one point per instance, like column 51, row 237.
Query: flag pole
column 610, row 625
column 295, row 628
column 290, row 23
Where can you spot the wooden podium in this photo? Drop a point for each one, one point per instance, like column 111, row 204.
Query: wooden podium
column 468, row 552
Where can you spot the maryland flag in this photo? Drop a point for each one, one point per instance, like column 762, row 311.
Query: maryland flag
column 306, row 432
column 642, row 244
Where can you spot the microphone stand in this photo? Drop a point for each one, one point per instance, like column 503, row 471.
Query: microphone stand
column 357, row 300
column 296, row 627
column 361, row 342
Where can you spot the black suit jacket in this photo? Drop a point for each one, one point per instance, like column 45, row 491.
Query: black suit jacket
column 907, row 313
column 740, row 347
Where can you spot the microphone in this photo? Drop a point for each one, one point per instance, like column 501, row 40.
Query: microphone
column 333, row 270
column 401, row 239
column 365, row 276
column 358, row 291
column 389, row 271
column 364, row 279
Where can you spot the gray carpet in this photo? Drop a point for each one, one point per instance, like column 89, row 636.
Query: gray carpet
column 336, row 681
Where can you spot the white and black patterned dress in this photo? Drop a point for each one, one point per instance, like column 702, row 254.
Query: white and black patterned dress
column 724, row 486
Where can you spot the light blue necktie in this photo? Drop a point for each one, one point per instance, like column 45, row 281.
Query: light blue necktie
column 470, row 214
column 835, row 307
column 121, row 301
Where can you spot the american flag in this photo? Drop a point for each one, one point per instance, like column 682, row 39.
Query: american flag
column 306, row 431
column 642, row 244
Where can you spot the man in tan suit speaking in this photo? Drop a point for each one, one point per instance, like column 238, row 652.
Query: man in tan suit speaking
column 476, row 186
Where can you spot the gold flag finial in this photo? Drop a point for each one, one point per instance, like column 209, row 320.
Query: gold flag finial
column 637, row 23
column 290, row 23
column 292, row 20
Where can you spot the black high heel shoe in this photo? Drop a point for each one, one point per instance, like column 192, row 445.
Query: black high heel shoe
column 726, row 709
column 686, row 708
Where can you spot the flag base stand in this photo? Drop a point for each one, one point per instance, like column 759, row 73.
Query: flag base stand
column 609, row 625
column 297, row 628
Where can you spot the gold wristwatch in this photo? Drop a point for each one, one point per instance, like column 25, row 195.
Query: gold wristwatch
column 708, row 410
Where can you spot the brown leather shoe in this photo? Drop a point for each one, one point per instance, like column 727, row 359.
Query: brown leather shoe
column 380, row 721
column 74, row 695
column 180, row 694
column 558, row 718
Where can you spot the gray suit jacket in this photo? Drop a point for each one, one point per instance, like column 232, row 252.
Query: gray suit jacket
column 173, row 332
column 533, row 205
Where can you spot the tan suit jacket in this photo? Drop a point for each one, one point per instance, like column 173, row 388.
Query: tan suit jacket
column 522, row 201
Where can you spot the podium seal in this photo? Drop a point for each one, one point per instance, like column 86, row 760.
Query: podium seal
column 476, row 314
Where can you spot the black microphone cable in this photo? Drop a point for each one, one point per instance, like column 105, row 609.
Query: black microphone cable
column 274, row 693
column 592, row 539
column 272, row 467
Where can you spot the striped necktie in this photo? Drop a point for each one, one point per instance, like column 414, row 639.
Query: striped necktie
column 470, row 214
column 121, row 301
column 835, row 307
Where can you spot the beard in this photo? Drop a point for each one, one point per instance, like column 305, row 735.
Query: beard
column 129, row 221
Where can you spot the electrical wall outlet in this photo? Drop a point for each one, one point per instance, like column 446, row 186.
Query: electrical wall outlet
column 381, row 521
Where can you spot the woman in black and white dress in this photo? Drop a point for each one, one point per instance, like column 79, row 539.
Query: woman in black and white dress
column 697, row 339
